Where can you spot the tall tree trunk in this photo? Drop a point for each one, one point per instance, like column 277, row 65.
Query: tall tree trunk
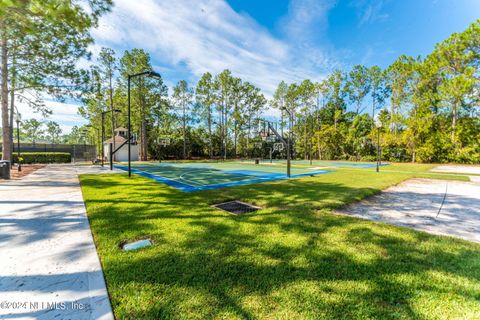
column 281, row 122
column 305, row 141
column 144, row 141
column 184, row 133
column 454, row 124
column 12, row 98
column 392, row 119
column 235, row 137
column 143, row 131
column 7, row 139
column 373, row 104
column 248, row 135
column 220, row 132
column 12, row 112
column 319, row 150
column 225, row 134
column 210, row 132
column 112, row 112
column 335, row 117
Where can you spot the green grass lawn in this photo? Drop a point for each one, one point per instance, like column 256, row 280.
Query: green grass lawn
column 294, row 259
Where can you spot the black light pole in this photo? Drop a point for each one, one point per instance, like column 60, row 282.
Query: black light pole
column 103, row 130
column 18, row 140
column 129, row 77
column 289, row 157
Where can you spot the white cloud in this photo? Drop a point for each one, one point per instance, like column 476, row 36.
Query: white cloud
column 306, row 27
column 208, row 35
column 370, row 11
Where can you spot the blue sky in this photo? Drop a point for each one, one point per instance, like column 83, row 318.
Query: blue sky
column 266, row 41
column 370, row 31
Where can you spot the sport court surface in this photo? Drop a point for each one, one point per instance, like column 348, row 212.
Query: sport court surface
column 325, row 164
column 198, row 176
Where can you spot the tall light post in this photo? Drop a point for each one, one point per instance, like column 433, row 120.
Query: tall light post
column 289, row 157
column 129, row 78
column 378, row 125
column 103, row 129
column 18, row 119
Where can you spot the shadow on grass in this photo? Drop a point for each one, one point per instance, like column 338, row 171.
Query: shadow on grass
column 293, row 261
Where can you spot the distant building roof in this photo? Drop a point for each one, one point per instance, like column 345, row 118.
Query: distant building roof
column 120, row 129
column 118, row 140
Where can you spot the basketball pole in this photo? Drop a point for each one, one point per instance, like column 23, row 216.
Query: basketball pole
column 289, row 156
column 285, row 142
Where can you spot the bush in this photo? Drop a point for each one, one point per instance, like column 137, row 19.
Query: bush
column 467, row 155
column 43, row 157
column 369, row 158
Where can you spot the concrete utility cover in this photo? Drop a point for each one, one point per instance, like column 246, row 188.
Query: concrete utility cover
column 415, row 204
column 137, row 245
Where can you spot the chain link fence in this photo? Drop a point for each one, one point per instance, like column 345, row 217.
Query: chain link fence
column 79, row 152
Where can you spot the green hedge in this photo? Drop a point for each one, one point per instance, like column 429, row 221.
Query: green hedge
column 43, row 157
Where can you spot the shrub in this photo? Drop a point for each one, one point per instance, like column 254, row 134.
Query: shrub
column 467, row 155
column 369, row 158
column 43, row 157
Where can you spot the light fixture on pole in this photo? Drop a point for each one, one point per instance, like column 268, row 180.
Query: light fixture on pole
column 129, row 78
column 289, row 157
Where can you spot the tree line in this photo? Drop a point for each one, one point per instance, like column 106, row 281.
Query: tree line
column 41, row 42
column 426, row 108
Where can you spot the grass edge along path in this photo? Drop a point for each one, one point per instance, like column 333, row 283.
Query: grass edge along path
column 292, row 259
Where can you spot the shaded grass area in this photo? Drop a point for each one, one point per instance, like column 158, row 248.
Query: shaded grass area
column 293, row 259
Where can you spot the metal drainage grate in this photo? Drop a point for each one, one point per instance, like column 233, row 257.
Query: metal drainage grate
column 236, row 207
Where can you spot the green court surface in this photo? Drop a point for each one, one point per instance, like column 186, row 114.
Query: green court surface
column 325, row 163
column 197, row 176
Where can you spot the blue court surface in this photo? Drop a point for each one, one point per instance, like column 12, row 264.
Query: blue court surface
column 190, row 177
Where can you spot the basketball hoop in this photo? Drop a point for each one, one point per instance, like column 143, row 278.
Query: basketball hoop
column 163, row 142
column 278, row 147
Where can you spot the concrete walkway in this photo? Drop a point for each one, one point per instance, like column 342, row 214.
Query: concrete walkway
column 449, row 208
column 49, row 268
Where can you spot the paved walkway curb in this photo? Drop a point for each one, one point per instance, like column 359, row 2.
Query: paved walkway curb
column 49, row 268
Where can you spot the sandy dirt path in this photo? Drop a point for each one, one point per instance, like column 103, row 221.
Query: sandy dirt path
column 440, row 207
